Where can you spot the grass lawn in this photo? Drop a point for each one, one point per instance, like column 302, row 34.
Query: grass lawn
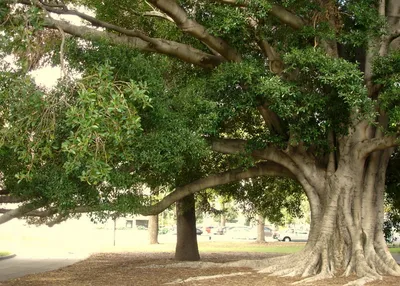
column 251, row 247
column 394, row 249
column 220, row 246
column 216, row 247
column 4, row 253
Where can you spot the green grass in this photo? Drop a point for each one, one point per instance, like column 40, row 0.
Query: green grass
column 4, row 253
column 394, row 249
column 248, row 247
column 215, row 247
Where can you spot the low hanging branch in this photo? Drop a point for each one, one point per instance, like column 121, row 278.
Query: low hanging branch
column 10, row 200
column 260, row 169
column 18, row 212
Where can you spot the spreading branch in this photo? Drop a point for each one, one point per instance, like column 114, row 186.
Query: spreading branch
column 375, row 144
column 131, row 38
column 277, row 11
column 275, row 62
column 32, row 210
column 4, row 192
column 261, row 169
column 138, row 40
column 228, row 146
column 18, row 212
column 191, row 27
column 159, row 15
column 10, row 200
column 59, row 219
column 272, row 120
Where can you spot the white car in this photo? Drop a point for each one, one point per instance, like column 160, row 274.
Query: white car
column 294, row 235
column 243, row 233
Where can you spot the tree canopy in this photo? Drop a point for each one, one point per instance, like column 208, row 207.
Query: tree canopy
column 191, row 94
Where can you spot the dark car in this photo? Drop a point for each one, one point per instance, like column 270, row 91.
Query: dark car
column 199, row 231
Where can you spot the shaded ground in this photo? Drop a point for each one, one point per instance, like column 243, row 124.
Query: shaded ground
column 138, row 269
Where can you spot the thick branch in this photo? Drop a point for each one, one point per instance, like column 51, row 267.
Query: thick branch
column 159, row 15
column 261, row 169
column 137, row 40
column 4, row 192
column 228, row 146
column 10, row 200
column 375, row 144
column 275, row 62
column 277, row 11
column 18, row 212
column 172, row 12
column 50, row 212
column 271, row 119
column 59, row 219
column 180, row 17
column 131, row 38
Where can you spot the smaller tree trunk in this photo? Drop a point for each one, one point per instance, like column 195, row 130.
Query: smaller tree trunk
column 223, row 220
column 186, row 245
column 153, row 229
column 260, row 228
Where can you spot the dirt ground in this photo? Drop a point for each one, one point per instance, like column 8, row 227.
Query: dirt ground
column 154, row 269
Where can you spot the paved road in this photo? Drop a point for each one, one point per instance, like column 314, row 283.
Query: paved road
column 22, row 265
column 396, row 256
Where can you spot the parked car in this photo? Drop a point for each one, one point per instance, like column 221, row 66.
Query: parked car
column 198, row 231
column 269, row 232
column 242, row 232
column 293, row 235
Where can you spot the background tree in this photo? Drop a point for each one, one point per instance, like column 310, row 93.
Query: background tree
column 306, row 90
column 392, row 199
column 266, row 198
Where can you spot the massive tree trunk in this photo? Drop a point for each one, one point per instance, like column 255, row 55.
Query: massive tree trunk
column 346, row 233
column 153, row 229
column 186, row 245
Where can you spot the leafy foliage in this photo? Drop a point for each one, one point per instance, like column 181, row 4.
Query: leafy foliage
column 133, row 118
column 270, row 197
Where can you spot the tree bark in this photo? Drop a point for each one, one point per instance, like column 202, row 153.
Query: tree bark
column 153, row 229
column 186, row 245
column 260, row 228
column 223, row 220
column 347, row 217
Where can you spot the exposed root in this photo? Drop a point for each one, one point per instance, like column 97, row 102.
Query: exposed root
column 299, row 266
column 386, row 267
column 288, row 262
column 386, row 263
column 321, row 276
column 198, row 278
column 188, row 264
column 253, row 264
column 287, row 272
column 362, row 281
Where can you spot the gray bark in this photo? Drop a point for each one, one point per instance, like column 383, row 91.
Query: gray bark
column 260, row 228
column 186, row 245
column 153, row 229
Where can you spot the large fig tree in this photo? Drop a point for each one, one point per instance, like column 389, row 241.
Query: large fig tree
column 307, row 90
